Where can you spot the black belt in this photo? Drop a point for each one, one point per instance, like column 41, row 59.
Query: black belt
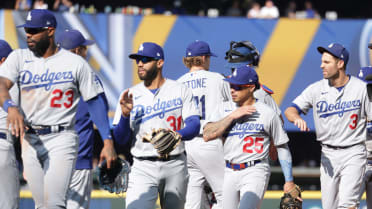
column 241, row 166
column 158, row 158
column 44, row 130
column 3, row 135
column 338, row 147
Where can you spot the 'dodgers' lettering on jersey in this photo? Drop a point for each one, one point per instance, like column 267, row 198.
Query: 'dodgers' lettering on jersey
column 45, row 79
column 339, row 108
column 157, row 109
column 197, row 83
column 242, row 129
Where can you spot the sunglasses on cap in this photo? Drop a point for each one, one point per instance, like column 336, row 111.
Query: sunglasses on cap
column 237, row 87
column 145, row 60
column 33, row 31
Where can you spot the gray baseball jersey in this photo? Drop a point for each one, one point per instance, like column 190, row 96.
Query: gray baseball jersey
column 9, row 176
column 339, row 116
column 170, row 105
column 340, row 122
column 266, row 98
column 249, row 137
column 204, row 159
column 50, row 89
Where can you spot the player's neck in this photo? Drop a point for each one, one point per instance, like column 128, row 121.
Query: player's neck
column 196, row 68
column 249, row 101
column 339, row 81
column 156, row 83
column 53, row 49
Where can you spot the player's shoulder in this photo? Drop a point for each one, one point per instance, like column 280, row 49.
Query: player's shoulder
column 71, row 56
column 356, row 81
column 266, row 89
column 262, row 107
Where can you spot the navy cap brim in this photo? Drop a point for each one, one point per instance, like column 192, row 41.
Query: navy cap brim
column 213, row 54
column 231, row 80
column 88, row 42
column 31, row 26
column 230, row 65
column 368, row 78
column 370, row 45
column 322, row 50
column 136, row 56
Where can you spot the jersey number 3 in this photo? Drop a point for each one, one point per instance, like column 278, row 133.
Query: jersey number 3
column 58, row 96
column 254, row 144
column 354, row 121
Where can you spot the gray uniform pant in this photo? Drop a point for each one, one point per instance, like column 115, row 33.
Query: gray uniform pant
column 341, row 176
column 148, row 179
column 48, row 164
column 9, row 176
column 78, row 195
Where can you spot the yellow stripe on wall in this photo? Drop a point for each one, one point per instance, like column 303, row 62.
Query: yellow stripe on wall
column 10, row 33
column 284, row 53
column 153, row 28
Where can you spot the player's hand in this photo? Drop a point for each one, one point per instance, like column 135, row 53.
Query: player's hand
column 301, row 124
column 108, row 153
column 243, row 111
column 15, row 120
column 289, row 186
column 126, row 103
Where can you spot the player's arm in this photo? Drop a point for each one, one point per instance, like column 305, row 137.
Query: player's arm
column 191, row 129
column 122, row 132
column 215, row 130
column 14, row 118
column 293, row 115
column 98, row 109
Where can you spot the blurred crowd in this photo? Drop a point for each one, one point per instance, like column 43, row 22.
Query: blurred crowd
column 237, row 8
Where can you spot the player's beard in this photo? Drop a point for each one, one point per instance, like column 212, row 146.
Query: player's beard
column 150, row 74
column 40, row 47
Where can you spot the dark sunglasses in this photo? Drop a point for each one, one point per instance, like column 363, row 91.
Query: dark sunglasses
column 33, row 31
column 239, row 87
column 145, row 60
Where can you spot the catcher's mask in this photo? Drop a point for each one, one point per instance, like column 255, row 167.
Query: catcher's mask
column 243, row 52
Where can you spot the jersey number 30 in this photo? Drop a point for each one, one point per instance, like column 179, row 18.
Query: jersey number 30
column 254, row 144
column 58, row 96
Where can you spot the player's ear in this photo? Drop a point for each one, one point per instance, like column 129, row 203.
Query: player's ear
column 51, row 31
column 340, row 63
column 160, row 63
column 2, row 60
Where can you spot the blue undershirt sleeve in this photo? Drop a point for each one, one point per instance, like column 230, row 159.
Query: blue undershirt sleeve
column 191, row 129
column 122, row 131
column 297, row 108
column 285, row 160
column 98, row 109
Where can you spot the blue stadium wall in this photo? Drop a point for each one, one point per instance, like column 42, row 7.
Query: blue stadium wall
column 289, row 59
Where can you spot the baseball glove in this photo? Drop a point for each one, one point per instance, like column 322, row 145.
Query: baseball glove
column 114, row 179
column 289, row 199
column 163, row 140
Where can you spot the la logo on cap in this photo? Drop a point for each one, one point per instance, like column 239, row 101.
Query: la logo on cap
column 158, row 54
column 330, row 46
column 361, row 74
column 235, row 73
column 29, row 16
column 189, row 53
column 140, row 48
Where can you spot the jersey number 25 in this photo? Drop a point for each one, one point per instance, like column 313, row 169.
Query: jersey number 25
column 254, row 144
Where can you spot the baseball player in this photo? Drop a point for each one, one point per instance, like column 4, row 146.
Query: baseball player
column 247, row 129
column 51, row 81
column 341, row 110
column 155, row 103
column 367, row 181
column 9, row 175
column 78, row 195
column 204, row 160
column 245, row 53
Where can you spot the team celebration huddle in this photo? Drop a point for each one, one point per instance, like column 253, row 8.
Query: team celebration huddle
column 203, row 130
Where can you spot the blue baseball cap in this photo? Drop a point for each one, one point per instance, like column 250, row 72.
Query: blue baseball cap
column 199, row 48
column 243, row 75
column 148, row 49
column 337, row 50
column 5, row 49
column 70, row 39
column 39, row 18
column 365, row 73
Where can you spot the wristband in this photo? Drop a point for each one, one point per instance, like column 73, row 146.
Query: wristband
column 8, row 103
